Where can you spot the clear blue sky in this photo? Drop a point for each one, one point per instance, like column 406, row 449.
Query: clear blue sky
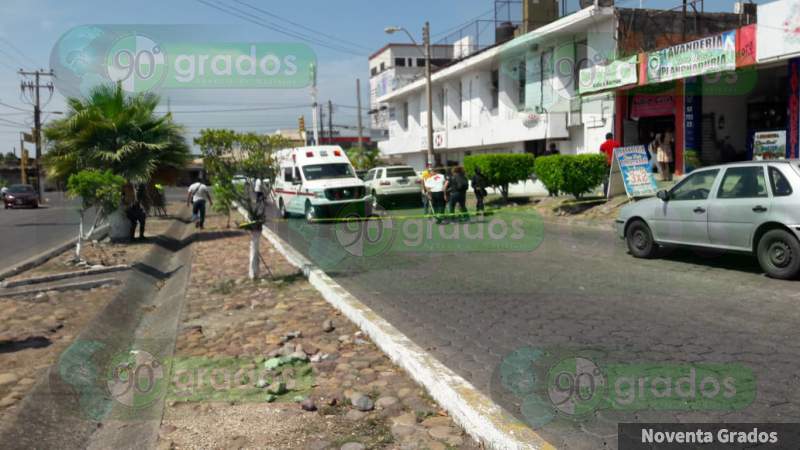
column 31, row 27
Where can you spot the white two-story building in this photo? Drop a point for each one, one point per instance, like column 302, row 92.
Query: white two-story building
column 519, row 96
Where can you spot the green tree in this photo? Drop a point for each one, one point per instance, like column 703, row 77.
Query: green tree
column 112, row 130
column 96, row 189
column 363, row 158
column 501, row 169
column 226, row 154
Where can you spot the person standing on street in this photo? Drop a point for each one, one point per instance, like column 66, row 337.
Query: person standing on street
column 198, row 194
column 258, row 188
column 607, row 148
column 456, row 188
column 479, row 187
column 426, row 196
column 434, row 185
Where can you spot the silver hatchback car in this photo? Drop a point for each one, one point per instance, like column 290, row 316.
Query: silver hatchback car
column 750, row 207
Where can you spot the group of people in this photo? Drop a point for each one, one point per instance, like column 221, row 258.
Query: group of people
column 441, row 189
column 660, row 148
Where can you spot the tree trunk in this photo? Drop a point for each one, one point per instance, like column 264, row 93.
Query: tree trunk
column 255, row 240
column 504, row 192
column 80, row 238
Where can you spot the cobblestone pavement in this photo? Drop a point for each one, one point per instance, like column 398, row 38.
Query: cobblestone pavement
column 356, row 397
column 578, row 291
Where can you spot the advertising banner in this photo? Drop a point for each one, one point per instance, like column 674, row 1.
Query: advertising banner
column 769, row 145
column 617, row 73
column 711, row 54
column 633, row 167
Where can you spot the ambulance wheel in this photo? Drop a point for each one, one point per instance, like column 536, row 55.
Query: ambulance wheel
column 311, row 213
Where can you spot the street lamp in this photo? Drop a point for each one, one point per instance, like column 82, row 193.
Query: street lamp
column 426, row 51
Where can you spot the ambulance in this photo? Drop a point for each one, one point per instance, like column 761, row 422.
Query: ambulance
column 318, row 182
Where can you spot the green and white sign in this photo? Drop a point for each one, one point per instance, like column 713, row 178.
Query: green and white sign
column 617, row 73
column 708, row 55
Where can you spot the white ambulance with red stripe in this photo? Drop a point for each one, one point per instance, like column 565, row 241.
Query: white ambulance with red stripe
column 318, row 182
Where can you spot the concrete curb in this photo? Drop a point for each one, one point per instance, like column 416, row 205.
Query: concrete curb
column 482, row 419
column 43, row 257
column 63, row 276
column 80, row 285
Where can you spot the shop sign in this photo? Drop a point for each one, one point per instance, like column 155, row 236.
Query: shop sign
column 746, row 46
column 630, row 173
column 711, row 54
column 617, row 73
column 645, row 105
column 769, row 145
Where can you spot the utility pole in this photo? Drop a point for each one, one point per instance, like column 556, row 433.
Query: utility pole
column 314, row 104
column 34, row 88
column 426, row 38
column 23, row 160
column 330, row 122
column 358, row 100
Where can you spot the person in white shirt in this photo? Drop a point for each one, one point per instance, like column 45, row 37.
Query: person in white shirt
column 198, row 194
column 435, row 185
column 259, row 190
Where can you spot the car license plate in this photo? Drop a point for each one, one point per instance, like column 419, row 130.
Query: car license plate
column 402, row 181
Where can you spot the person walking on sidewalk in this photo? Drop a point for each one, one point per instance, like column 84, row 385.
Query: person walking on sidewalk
column 456, row 188
column 198, row 194
column 426, row 196
column 479, row 187
column 434, row 185
column 607, row 148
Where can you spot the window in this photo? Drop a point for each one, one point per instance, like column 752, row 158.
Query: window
column 522, row 70
column 495, row 88
column 441, row 99
column 373, row 71
column 400, row 62
column 400, row 172
column 420, row 62
column 696, row 186
column 743, row 182
column 383, row 67
column 327, row 171
column 780, row 185
column 370, row 175
column 287, row 174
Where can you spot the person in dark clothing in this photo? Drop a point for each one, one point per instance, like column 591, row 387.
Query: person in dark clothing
column 479, row 187
column 136, row 214
column 456, row 188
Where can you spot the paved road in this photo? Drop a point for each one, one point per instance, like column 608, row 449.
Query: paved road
column 28, row 232
column 579, row 293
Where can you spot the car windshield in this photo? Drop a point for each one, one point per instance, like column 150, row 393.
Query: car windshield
column 20, row 189
column 326, row 171
column 397, row 172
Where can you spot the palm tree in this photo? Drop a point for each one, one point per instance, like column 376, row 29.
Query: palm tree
column 112, row 130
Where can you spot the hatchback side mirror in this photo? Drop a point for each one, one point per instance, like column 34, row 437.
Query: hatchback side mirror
column 663, row 195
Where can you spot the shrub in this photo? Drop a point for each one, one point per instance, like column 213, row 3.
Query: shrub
column 573, row 174
column 501, row 169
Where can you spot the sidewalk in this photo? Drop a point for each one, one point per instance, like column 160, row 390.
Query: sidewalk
column 320, row 383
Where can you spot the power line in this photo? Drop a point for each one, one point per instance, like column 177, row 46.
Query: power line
column 12, row 122
column 13, row 107
column 303, row 27
column 451, row 29
column 243, row 15
column 14, row 47
column 209, row 111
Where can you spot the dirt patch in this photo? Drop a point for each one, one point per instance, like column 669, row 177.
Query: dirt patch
column 352, row 395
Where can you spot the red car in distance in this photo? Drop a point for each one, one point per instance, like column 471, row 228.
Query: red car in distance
column 19, row 195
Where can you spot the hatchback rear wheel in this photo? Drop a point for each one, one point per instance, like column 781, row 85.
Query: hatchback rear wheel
column 640, row 240
column 779, row 254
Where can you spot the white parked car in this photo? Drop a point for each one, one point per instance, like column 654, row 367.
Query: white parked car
column 318, row 182
column 393, row 183
column 749, row 207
